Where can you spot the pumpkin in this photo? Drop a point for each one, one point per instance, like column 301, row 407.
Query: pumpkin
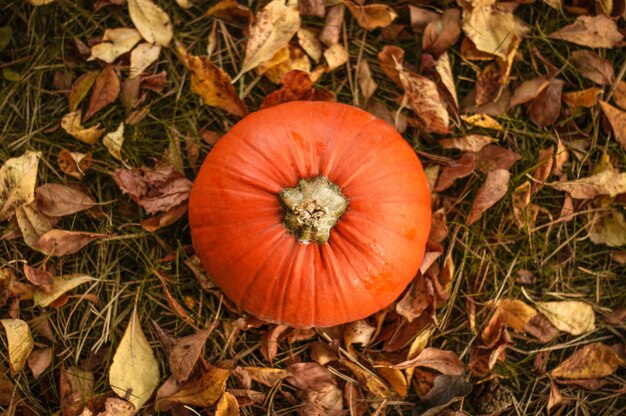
column 311, row 214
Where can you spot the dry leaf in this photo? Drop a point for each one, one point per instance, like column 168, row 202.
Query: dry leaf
column 336, row 55
column 482, row 120
column 546, row 108
column 114, row 140
column 80, row 89
column 555, row 397
column 56, row 200
column 134, row 373
column 444, row 69
column 543, row 169
column 446, row 390
column 307, row 39
column 420, row 18
column 269, row 342
column 332, row 25
column 388, row 59
column 594, row 31
column 593, row 67
column 443, row 32
column 591, row 361
column 115, row 42
column 266, row 376
column 366, row 83
column 203, row 391
column 426, row 102
column 516, row 313
column 446, row 362
column 529, row 90
column 584, row 98
column 32, row 223
column 295, row 59
column 62, row 242
column 227, row 405
column 212, row 84
column 39, row 278
column 62, row 285
column 456, row 170
column 371, row 16
column 18, row 176
column 151, row 21
column 417, row 299
column 470, row 143
column 185, row 353
column 368, row 380
column 275, row 25
column 39, row 360
column 607, row 182
column 358, row 332
column 312, row 8
column 166, row 218
column 20, row 343
column 541, row 328
column 617, row 118
column 117, row 407
column 232, row 12
column 619, row 95
column 573, row 317
column 72, row 125
column 491, row 191
column 144, row 55
column 608, row 227
column 76, row 390
column 395, row 378
column 106, row 88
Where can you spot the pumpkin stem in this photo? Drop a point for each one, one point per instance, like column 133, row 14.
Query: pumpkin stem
column 313, row 208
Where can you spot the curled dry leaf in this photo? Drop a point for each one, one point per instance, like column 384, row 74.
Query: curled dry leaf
column 144, row 55
column 307, row 39
column 269, row 342
column 212, row 84
column 426, row 102
column 18, row 176
column 584, row 98
column 275, row 25
column 151, row 21
column 166, row 218
column 528, row 90
column 608, row 227
column 61, row 285
column 115, row 42
column 72, row 125
column 482, row 120
column 80, row 89
column 39, row 360
column 294, row 59
column 456, row 170
column 446, row 362
column 20, row 343
column 336, row 55
column 389, row 58
column 546, row 108
column 366, row 83
column 232, row 12
column 491, row 191
column 368, row 380
column 114, row 140
column 594, row 67
column 573, row 317
column 444, row 69
column 134, row 373
column 32, row 223
column 56, row 200
column 591, row 361
column 442, row 32
column 62, row 243
column 106, row 88
column 40, row 278
column 470, row 143
column 185, row 353
column 617, row 118
column 594, row 31
column 358, row 332
column 607, row 182
column 74, row 164
column 372, row 16
column 204, row 391
column 332, row 25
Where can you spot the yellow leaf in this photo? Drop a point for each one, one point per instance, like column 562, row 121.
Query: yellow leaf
column 204, row 391
column 144, row 55
column 227, row 406
column 72, row 125
column 113, row 141
column 617, row 118
column 335, row 56
column 585, row 98
column 516, row 313
column 134, row 373
column 18, row 177
column 372, row 16
column 606, row 182
column 608, row 227
column 591, row 361
column 482, row 120
column 266, row 376
column 115, row 42
column 40, row 2
column 368, row 380
column 20, row 342
column 62, row 285
column 310, row 43
column 295, row 59
column 151, row 21
column 574, row 317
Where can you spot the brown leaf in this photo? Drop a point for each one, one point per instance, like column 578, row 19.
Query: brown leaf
column 312, row 8
column 332, row 25
column 593, row 67
column 584, row 98
column 594, row 31
column 39, row 360
column 541, row 328
column 166, row 218
column 546, row 108
column 607, row 182
column 39, row 278
column 492, row 190
column 543, row 169
column 368, row 380
column 446, row 390
column 417, row 299
column 232, row 12
column 106, row 88
column 420, row 18
column 309, row 376
column 185, row 353
column 487, row 84
column 358, row 332
column 457, row 170
column 354, row 399
column 269, row 342
column 297, row 86
column 426, row 102
column 617, row 118
column 529, row 90
column 470, row 143
column 493, row 157
column 80, row 89
column 442, row 33
column 203, row 391
column 446, row 362
column 212, row 84
column 592, row 384
column 555, row 397
column 591, row 361
column 62, row 243
column 56, row 200
column 366, row 83
column 117, row 407
column 74, row 164
column 32, row 223
column 619, row 95
column 387, row 59
column 371, row 16
column 76, row 389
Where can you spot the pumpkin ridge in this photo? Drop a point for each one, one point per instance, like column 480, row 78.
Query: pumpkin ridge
column 332, row 274
column 289, row 280
column 278, row 174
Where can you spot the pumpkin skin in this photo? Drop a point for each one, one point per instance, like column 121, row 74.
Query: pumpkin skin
column 374, row 250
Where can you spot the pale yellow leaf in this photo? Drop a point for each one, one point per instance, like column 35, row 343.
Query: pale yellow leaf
column 114, row 140
column 115, row 42
column 366, row 82
column 469, row 143
column 20, row 342
column 62, row 285
column 310, row 43
column 144, row 55
column 608, row 227
column 594, row 31
column 72, row 125
column 134, row 373
column 336, row 56
column 444, row 69
column 573, row 317
column 607, row 182
column 151, row 21
column 18, row 176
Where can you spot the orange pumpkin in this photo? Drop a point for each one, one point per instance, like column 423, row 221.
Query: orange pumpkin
column 311, row 214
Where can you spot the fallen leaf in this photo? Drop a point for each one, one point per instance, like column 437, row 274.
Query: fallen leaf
column 269, row 341
column 40, row 278
column 456, row 170
column 307, row 39
column 20, row 343
column 372, row 16
column 388, row 58
column 420, row 18
column 62, row 243
column 593, row 31
column 368, row 380
column 114, row 140
column 487, row 85
column 619, row 95
column 203, row 391
column 312, row 8
column 515, row 313
column 185, row 353
column 115, row 43
column 332, row 25
column 151, row 21
column 76, row 390
column 227, row 405
column 144, row 55
column 470, row 143
column 443, row 32
column 296, row 59
column 40, row 2
column 446, row 362
column 482, row 120
column 444, row 69
column 543, row 169
column 573, row 317
column 56, row 200
column 354, row 399
column 524, row 212
column 446, row 390
column 74, row 164
column 134, row 372
column 358, row 332
column 591, row 361
column 541, row 328
column 617, row 118
column 80, row 89
column 62, row 285
column 529, row 90
column 418, row 298
column 266, row 376
column 426, row 102
column 608, row 227
column 117, row 407
column 106, row 88
column 546, row 108
column 32, row 223
column 593, row 67
column 471, row 53
column 607, row 182
column 336, row 55
column 72, row 125
column 39, row 360
column 491, row 191
column 593, row 384
column 584, row 98
column 366, row 83
column 275, row 25
column 166, row 218
column 18, row 176
column 555, row 398
column 212, row 84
